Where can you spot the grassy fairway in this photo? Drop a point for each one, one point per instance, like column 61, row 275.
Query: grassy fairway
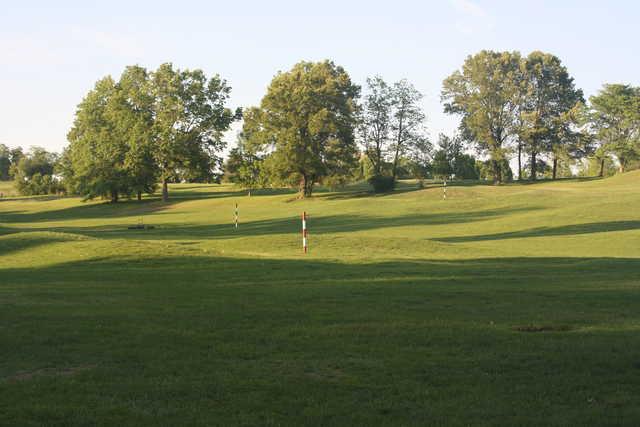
column 7, row 189
column 511, row 305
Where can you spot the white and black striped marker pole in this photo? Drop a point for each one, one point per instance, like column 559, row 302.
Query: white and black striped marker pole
column 444, row 190
column 304, row 232
column 235, row 217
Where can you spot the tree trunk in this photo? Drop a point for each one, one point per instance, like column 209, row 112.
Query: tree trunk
column 601, row 168
column 533, row 166
column 555, row 167
column 114, row 196
column 394, row 172
column 301, row 187
column 165, row 190
column 398, row 143
column 623, row 165
column 519, row 161
column 306, row 186
column 139, row 196
column 309, row 187
column 497, row 173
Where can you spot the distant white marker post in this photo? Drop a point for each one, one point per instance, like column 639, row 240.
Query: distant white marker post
column 304, row 232
column 235, row 217
column 444, row 189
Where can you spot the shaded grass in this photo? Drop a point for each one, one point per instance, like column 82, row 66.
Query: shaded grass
column 384, row 343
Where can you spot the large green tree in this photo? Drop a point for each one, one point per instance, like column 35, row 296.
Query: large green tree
column 306, row 123
column 548, row 98
column 407, row 123
column 145, row 127
column 375, row 120
column 244, row 167
column 94, row 161
column 391, row 126
column 615, row 115
column 485, row 93
column 573, row 140
column 132, row 116
column 190, row 117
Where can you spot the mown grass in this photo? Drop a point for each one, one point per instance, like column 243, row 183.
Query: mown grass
column 511, row 305
column 7, row 189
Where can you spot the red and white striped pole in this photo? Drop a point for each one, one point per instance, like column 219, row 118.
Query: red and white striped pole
column 304, row 232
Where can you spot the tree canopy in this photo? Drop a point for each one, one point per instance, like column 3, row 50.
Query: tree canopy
column 8, row 158
column 34, row 172
column 547, row 100
column 615, row 117
column 306, row 124
column 190, row 117
column 391, row 128
column 485, row 93
column 146, row 127
column 168, row 125
column 244, row 167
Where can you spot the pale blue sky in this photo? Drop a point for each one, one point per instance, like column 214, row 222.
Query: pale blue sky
column 51, row 53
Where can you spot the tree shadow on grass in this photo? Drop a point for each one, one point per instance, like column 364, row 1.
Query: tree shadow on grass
column 287, row 225
column 504, row 273
column 360, row 190
column 363, row 190
column 125, row 208
column 87, row 211
column 527, row 181
column 566, row 230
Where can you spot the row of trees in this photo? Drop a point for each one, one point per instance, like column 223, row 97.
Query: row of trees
column 506, row 102
column 530, row 105
column 614, row 124
column 144, row 129
column 9, row 158
column 310, row 128
column 33, row 172
column 314, row 125
column 311, row 125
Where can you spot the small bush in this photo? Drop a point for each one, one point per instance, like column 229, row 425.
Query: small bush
column 382, row 183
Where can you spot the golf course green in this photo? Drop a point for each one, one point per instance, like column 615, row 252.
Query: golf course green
column 506, row 305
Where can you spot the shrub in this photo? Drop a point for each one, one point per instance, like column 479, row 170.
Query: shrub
column 382, row 183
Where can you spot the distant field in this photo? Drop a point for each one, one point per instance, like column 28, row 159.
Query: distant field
column 511, row 305
column 7, row 189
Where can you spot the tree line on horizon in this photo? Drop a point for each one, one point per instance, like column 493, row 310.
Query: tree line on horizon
column 315, row 126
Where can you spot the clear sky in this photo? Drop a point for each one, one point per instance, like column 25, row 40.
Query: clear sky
column 52, row 52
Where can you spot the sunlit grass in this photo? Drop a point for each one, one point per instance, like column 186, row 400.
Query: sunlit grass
column 7, row 189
